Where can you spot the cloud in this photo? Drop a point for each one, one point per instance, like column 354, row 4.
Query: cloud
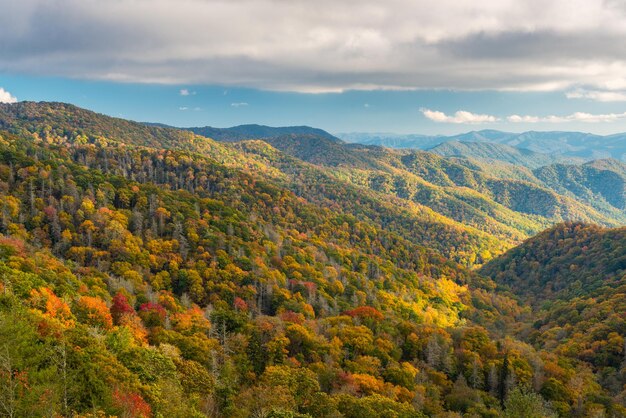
column 465, row 117
column 183, row 108
column 574, row 117
column 6, row 97
column 598, row 95
column 461, row 116
column 187, row 92
column 239, row 104
column 330, row 46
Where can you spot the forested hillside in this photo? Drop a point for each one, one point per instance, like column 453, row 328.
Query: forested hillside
column 575, row 275
column 490, row 152
column 148, row 271
column 237, row 133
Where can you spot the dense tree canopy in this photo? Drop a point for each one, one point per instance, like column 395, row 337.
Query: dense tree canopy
column 171, row 275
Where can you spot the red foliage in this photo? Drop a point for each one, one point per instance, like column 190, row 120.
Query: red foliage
column 120, row 307
column 240, row 304
column 310, row 287
column 291, row 316
column 50, row 212
column 131, row 404
column 152, row 314
column 365, row 312
column 16, row 245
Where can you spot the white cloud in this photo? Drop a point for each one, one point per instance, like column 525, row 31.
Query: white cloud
column 597, row 95
column 465, row 117
column 321, row 46
column 6, row 97
column 187, row 92
column 239, row 104
column 183, row 108
column 461, row 116
column 574, row 117
column 522, row 119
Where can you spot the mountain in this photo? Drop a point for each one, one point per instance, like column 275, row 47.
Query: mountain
column 61, row 124
column 430, row 194
column 575, row 276
column 562, row 263
column 488, row 151
column 393, row 140
column 149, row 271
column 237, row 133
column 602, row 181
column 501, row 199
column 557, row 144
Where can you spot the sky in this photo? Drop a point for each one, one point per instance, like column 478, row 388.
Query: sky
column 403, row 66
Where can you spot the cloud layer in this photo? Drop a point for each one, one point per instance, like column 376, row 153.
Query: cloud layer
column 469, row 118
column 461, row 116
column 326, row 46
column 574, row 117
column 6, row 97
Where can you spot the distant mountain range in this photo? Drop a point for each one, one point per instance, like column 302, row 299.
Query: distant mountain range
column 556, row 144
column 500, row 152
column 237, row 133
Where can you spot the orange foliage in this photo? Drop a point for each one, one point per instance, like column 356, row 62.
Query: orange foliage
column 367, row 385
column 365, row 312
column 192, row 321
column 93, row 311
column 240, row 304
column 51, row 306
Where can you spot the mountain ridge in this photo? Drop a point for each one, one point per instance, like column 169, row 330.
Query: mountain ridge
column 558, row 143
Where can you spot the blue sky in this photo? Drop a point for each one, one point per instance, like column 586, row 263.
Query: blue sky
column 403, row 66
column 349, row 111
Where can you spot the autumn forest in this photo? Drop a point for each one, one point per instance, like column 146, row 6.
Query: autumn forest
column 150, row 271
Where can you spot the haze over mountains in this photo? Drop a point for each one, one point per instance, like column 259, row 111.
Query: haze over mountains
column 533, row 148
column 556, row 144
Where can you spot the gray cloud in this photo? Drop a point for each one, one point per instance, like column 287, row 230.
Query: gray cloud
column 545, row 45
column 326, row 46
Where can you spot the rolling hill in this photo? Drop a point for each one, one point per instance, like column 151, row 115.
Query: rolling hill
column 575, row 276
column 496, row 198
column 449, row 196
column 488, row 151
column 237, row 133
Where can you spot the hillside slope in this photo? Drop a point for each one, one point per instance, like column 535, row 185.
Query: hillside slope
column 488, row 151
column 138, row 281
column 575, row 276
column 237, row 133
column 490, row 203
column 564, row 262
column 49, row 122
